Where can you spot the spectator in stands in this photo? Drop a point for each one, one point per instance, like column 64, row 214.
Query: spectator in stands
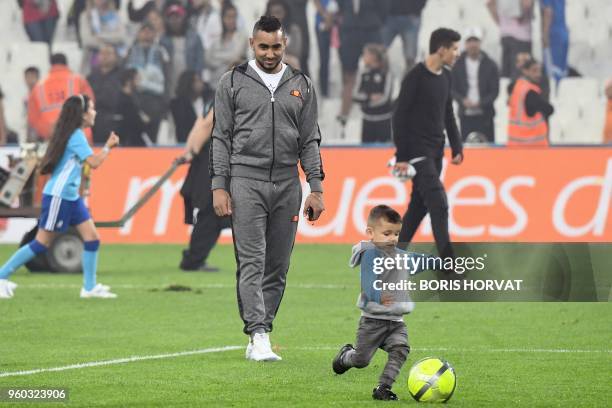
column 374, row 90
column 139, row 15
column 130, row 121
column 100, row 24
column 475, row 88
column 325, row 23
column 361, row 23
column 156, row 19
column 514, row 18
column 182, row 43
column 608, row 125
column 153, row 64
column 48, row 96
column 188, row 102
column 31, row 76
column 105, row 81
column 528, row 110
column 297, row 10
column 74, row 15
column 39, row 19
column 228, row 49
column 555, row 38
column 404, row 19
column 521, row 59
column 295, row 42
column 206, row 20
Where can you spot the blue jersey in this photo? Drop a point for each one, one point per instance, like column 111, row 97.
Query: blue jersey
column 66, row 178
column 558, row 24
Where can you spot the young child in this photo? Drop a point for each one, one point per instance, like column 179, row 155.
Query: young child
column 381, row 324
column 374, row 90
column 62, row 206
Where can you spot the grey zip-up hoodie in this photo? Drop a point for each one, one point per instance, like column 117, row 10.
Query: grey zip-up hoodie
column 262, row 136
column 381, row 303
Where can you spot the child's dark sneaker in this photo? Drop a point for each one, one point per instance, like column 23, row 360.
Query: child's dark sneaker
column 337, row 365
column 383, row 392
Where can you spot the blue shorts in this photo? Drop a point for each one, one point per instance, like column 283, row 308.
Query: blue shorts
column 57, row 214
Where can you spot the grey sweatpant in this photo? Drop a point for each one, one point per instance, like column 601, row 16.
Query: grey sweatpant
column 264, row 223
column 388, row 335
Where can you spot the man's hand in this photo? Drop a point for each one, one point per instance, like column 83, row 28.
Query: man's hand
column 314, row 201
column 187, row 156
column 222, row 202
column 457, row 159
column 401, row 168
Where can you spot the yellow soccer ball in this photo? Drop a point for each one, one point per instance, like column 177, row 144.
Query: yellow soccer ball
column 432, row 380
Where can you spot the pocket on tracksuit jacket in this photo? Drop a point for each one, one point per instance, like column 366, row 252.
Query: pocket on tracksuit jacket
column 286, row 147
column 257, row 145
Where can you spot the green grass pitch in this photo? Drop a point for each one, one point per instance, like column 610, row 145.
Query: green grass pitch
column 505, row 354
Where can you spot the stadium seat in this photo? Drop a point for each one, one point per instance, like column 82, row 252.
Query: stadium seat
column 15, row 92
column 23, row 55
column 578, row 89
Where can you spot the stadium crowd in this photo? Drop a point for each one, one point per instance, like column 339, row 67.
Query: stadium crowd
column 165, row 60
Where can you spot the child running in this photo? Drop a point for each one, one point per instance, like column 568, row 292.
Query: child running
column 62, row 207
column 381, row 324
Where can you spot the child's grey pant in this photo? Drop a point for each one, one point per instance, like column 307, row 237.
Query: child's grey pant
column 264, row 223
column 388, row 335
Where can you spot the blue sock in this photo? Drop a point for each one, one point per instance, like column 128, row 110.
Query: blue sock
column 22, row 256
column 90, row 264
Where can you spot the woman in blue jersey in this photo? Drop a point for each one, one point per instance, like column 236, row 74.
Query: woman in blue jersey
column 62, row 207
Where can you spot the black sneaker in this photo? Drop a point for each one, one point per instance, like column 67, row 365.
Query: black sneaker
column 383, row 393
column 201, row 268
column 337, row 365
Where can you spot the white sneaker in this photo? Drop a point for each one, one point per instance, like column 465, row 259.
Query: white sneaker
column 249, row 349
column 6, row 288
column 99, row 291
column 261, row 349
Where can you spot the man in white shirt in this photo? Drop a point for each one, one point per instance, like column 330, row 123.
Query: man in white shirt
column 475, row 88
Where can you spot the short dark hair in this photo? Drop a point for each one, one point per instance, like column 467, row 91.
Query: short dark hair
column 268, row 24
column 442, row 37
column 384, row 212
column 128, row 75
column 59, row 59
column 529, row 63
column 32, row 70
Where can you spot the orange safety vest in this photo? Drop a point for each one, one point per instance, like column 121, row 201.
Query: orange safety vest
column 608, row 125
column 524, row 130
column 46, row 99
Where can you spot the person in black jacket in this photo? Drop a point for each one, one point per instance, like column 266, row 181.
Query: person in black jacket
column 197, row 195
column 423, row 111
column 130, row 121
column 475, row 88
column 190, row 96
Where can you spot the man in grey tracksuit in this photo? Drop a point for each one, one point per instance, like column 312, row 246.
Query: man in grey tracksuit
column 265, row 122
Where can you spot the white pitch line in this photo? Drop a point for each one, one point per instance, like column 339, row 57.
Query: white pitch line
column 119, row 361
column 317, row 348
column 164, row 285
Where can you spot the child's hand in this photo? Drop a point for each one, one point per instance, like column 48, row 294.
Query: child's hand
column 387, row 300
column 113, row 140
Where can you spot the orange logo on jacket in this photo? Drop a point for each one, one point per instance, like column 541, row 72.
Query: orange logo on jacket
column 296, row 93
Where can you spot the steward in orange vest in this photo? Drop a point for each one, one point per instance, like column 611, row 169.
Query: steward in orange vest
column 529, row 111
column 47, row 97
